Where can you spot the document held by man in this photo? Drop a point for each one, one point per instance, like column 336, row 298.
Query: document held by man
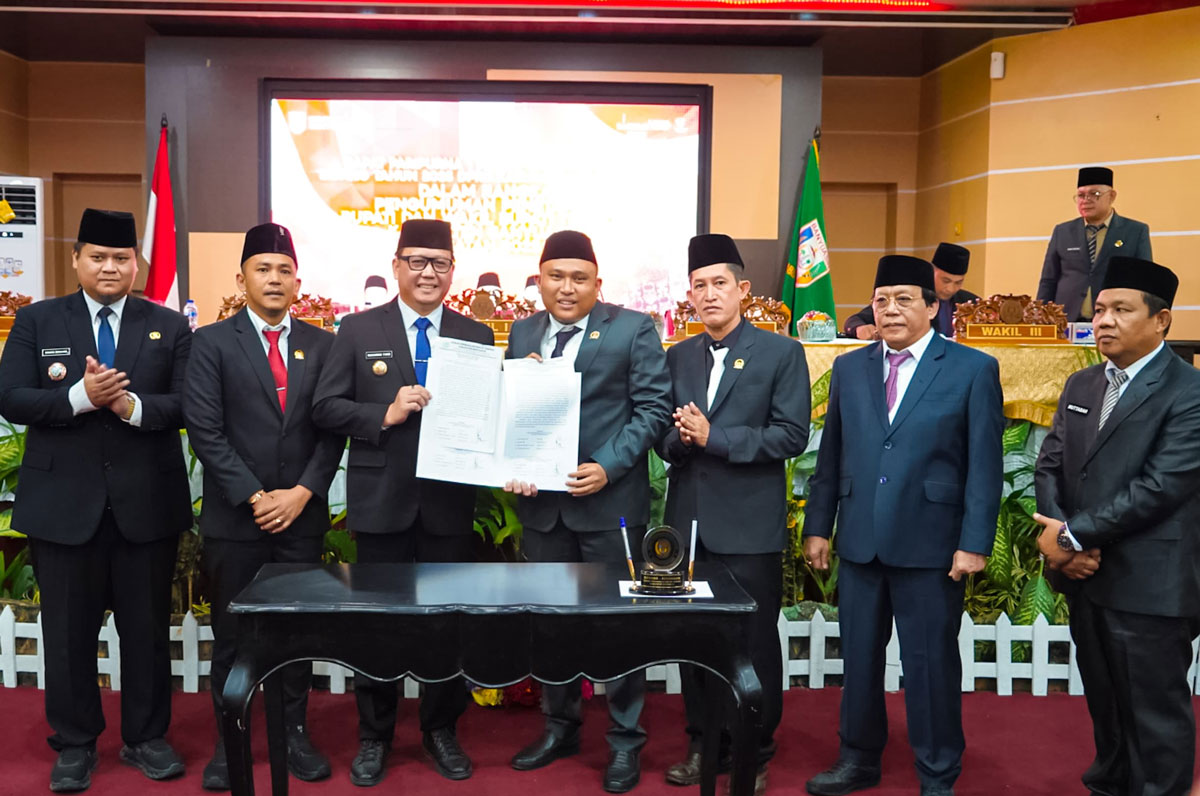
column 492, row 420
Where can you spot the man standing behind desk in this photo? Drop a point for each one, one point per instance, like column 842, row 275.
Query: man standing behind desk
column 911, row 468
column 625, row 407
column 267, row 468
column 950, row 264
column 742, row 409
column 373, row 390
column 1118, row 483
column 1079, row 251
column 96, row 376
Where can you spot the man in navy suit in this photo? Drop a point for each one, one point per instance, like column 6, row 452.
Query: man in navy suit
column 373, row 390
column 1079, row 251
column 97, row 377
column 742, row 410
column 910, row 467
column 624, row 408
column 267, row 467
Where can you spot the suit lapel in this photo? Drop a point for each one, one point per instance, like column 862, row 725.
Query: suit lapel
column 1092, row 385
column 927, row 370
column 695, row 373
column 740, row 352
column 1111, row 236
column 80, row 331
column 874, row 378
column 297, row 367
column 252, row 347
column 535, row 332
column 1134, row 396
column 391, row 321
column 133, row 324
column 593, row 336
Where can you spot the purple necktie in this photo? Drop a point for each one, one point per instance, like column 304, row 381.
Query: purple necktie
column 894, row 363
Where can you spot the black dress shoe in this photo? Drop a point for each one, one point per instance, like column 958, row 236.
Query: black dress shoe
column 623, row 772
column 449, row 758
column 845, row 777
column 216, row 773
column 368, row 766
column 156, row 759
column 73, row 769
column 928, row 789
column 687, row 772
column 545, row 751
column 304, row 761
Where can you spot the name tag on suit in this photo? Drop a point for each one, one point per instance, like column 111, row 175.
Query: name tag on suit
column 1083, row 410
column 377, row 354
column 1074, row 249
column 56, row 352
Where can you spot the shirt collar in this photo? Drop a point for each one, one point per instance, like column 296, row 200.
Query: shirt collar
column 557, row 326
column 917, row 349
column 94, row 306
column 1107, row 219
column 259, row 324
column 729, row 340
column 410, row 315
column 1133, row 370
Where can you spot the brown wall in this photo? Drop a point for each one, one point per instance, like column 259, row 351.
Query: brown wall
column 81, row 128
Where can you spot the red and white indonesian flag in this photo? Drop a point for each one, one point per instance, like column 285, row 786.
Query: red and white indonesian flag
column 158, row 244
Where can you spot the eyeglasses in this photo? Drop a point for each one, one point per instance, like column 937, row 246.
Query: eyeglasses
column 441, row 265
column 904, row 302
column 1083, row 196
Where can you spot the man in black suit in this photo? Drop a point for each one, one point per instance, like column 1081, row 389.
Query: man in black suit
column 950, row 264
column 742, row 407
column 372, row 390
column 1118, row 491
column 625, row 406
column 911, row 468
column 103, row 493
column 267, row 468
column 1079, row 251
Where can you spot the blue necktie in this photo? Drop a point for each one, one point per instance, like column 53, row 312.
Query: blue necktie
column 421, row 360
column 106, row 345
column 561, row 339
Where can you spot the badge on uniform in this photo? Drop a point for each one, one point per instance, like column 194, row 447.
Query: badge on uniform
column 57, row 371
column 1083, row 410
column 594, row 336
column 155, row 335
column 379, row 367
column 738, row 364
column 1119, row 244
column 297, row 354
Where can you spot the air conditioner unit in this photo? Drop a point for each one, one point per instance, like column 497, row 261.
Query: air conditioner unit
column 23, row 240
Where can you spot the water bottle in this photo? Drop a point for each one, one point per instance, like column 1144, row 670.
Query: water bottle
column 192, row 314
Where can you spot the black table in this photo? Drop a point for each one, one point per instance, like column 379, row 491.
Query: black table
column 492, row 623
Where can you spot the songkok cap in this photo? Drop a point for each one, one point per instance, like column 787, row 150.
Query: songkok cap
column 900, row 269
column 425, row 233
column 1152, row 278
column 951, row 258
column 1095, row 175
column 375, row 280
column 114, row 228
column 489, row 279
column 531, row 282
column 705, row 250
column 268, row 239
column 568, row 245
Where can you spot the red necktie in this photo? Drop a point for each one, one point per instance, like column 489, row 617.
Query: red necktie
column 278, row 369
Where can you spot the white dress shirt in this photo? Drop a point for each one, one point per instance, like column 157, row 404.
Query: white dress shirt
column 261, row 326
column 571, row 350
column 410, row 325
column 77, row 395
column 907, row 368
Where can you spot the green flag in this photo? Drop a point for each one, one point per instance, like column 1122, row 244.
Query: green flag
column 807, row 285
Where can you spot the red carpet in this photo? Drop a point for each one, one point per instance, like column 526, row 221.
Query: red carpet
column 1035, row 746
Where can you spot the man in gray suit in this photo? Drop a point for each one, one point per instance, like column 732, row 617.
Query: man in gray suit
column 625, row 407
column 1118, row 491
column 742, row 409
column 1079, row 251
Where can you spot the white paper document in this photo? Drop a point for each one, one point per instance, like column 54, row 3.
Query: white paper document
column 485, row 425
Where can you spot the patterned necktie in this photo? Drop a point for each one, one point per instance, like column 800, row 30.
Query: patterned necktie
column 106, row 344
column 1113, row 393
column 894, row 363
column 1093, row 232
column 421, row 361
column 278, row 368
column 561, row 339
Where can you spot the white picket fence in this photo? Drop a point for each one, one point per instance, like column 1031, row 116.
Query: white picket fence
column 1039, row 671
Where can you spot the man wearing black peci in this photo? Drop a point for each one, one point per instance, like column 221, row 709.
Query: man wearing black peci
column 741, row 400
column 373, row 390
column 267, row 467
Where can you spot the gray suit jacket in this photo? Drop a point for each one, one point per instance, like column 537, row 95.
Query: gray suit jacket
column 1067, row 271
column 625, row 407
column 1133, row 488
column 735, row 487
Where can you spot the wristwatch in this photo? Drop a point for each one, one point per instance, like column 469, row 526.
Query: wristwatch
column 132, row 404
column 1064, row 541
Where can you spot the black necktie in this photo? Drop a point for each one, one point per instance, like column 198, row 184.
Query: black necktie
column 560, row 340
